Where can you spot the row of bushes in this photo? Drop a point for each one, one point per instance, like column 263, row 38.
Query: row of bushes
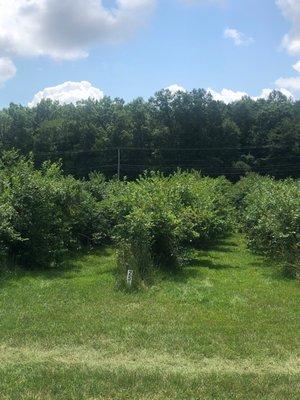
column 44, row 215
column 159, row 216
column 269, row 215
column 164, row 215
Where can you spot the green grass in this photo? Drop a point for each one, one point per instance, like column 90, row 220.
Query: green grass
column 226, row 327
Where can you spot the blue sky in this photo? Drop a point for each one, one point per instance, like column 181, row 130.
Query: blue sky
column 153, row 45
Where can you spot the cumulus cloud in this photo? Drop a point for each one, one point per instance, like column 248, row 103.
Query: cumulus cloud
column 292, row 83
column 291, row 42
column 291, row 11
column 68, row 92
column 7, row 70
column 239, row 38
column 229, row 96
column 266, row 93
column 65, row 29
column 175, row 89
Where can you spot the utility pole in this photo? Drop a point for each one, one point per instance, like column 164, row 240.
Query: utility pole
column 119, row 163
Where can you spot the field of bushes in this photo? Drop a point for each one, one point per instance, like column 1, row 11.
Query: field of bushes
column 153, row 221
column 213, row 309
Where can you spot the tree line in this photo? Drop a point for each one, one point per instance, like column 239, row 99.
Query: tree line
column 188, row 130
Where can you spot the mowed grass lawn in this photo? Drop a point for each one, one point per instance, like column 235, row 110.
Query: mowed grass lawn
column 226, row 327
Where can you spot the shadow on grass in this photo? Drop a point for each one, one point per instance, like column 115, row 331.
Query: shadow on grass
column 206, row 263
column 71, row 265
column 182, row 274
column 225, row 245
column 197, row 259
column 276, row 270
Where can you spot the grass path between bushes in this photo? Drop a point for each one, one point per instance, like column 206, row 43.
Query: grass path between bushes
column 226, row 327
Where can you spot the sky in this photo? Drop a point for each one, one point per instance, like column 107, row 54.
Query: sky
column 75, row 49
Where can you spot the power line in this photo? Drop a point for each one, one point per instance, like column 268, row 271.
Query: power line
column 113, row 158
column 198, row 148
column 206, row 165
column 153, row 149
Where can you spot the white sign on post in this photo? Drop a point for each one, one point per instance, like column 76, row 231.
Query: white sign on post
column 129, row 277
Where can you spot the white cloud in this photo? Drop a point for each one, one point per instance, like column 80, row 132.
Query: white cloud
column 291, row 41
column 291, row 11
column 68, row 92
column 266, row 93
column 229, row 96
column 7, row 70
column 239, row 38
column 297, row 66
column 175, row 89
column 286, row 92
column 64, row 29
column 292, row 83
